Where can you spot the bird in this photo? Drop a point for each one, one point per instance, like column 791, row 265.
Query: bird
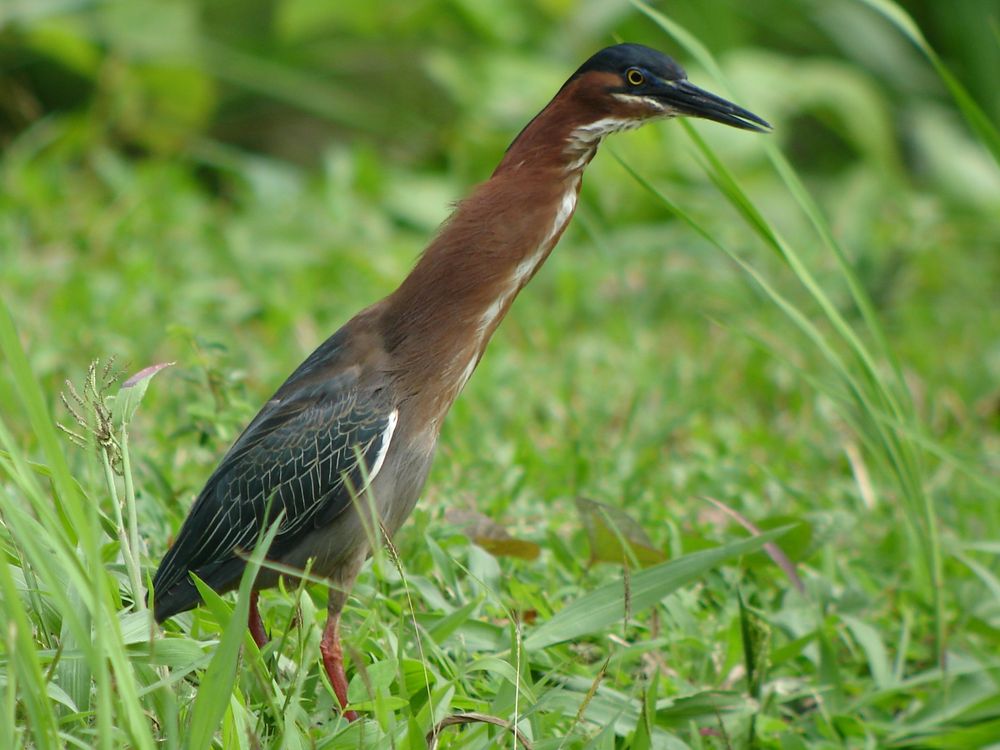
column 340, row 453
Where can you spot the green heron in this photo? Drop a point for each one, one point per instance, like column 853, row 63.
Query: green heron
column 361, row 416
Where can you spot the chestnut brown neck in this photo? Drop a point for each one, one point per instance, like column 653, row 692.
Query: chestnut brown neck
column 437, row 324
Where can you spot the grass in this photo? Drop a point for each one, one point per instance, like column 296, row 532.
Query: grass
column 723, row 327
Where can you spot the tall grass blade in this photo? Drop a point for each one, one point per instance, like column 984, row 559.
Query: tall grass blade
column 220, row 677
column 882, row 410
column 60, row 542
column 978, row 120
column 23, row 666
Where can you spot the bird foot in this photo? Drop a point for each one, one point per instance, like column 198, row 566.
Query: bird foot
column 333, row 662
column 255, row 623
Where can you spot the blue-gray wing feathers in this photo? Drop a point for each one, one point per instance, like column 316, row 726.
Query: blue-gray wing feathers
column 300, row 455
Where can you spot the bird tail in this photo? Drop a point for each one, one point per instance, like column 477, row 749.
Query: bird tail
column 183, row 595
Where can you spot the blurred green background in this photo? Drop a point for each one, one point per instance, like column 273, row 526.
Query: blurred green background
column 223, row 183
column 288, row 77
column 352, row 126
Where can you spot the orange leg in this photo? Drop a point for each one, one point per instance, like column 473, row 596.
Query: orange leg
column 333, row 661
column 255, row 623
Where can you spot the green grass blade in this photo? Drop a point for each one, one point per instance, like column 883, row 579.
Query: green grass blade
column 40, row 420
column 603, row 608
column 23, row 664
column 220, row 677
column 978, row 120
column 880, row 401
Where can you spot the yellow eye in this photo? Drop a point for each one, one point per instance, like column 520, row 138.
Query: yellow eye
column 635, row 77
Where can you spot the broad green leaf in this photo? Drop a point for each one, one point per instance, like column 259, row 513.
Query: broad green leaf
column 444, row 627
column 601, row 609
column 474, row 634
column 983, row 734
column 379, row 677
column 709, row 703
column 870, row 640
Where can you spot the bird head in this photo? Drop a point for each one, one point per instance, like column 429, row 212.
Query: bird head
column 624, row 86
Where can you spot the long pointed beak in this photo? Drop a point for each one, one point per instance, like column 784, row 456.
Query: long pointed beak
column 687, row 99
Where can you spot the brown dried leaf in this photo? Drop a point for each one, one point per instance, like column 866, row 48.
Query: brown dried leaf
column 492, row 537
